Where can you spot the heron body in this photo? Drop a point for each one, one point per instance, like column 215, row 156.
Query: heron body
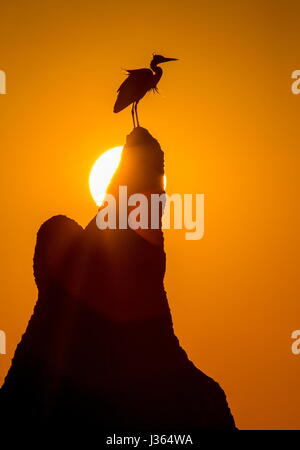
column 137, row 84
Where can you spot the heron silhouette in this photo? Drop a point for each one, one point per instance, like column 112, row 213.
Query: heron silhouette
column 137, row 84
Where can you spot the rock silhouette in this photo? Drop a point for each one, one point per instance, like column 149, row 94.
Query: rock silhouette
column 100, row 351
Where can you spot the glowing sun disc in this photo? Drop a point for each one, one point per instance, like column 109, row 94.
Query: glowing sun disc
column 102, row 173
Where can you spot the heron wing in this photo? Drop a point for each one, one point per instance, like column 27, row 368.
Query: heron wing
column 138, row 82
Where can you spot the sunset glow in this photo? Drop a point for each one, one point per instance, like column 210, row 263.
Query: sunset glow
column 102, row 172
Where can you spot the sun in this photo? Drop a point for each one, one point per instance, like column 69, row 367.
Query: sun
column 102, row 172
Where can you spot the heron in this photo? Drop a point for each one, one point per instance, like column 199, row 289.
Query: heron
column 137, row 84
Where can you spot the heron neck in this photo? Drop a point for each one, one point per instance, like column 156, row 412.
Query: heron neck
column 157, row 72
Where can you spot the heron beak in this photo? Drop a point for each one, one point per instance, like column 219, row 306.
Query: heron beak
column 170, row 59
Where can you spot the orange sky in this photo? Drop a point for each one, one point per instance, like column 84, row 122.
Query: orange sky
column 228, row 123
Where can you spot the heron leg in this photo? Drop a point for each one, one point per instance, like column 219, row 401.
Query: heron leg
column 136, row 114
column 132, row 113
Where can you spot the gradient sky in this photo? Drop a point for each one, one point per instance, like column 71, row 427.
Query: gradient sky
column 228, row 123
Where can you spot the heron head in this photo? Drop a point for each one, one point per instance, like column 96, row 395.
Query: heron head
column 158, row 59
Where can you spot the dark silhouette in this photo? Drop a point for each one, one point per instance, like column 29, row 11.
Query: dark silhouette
column 137, row 84
column 99, row 353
